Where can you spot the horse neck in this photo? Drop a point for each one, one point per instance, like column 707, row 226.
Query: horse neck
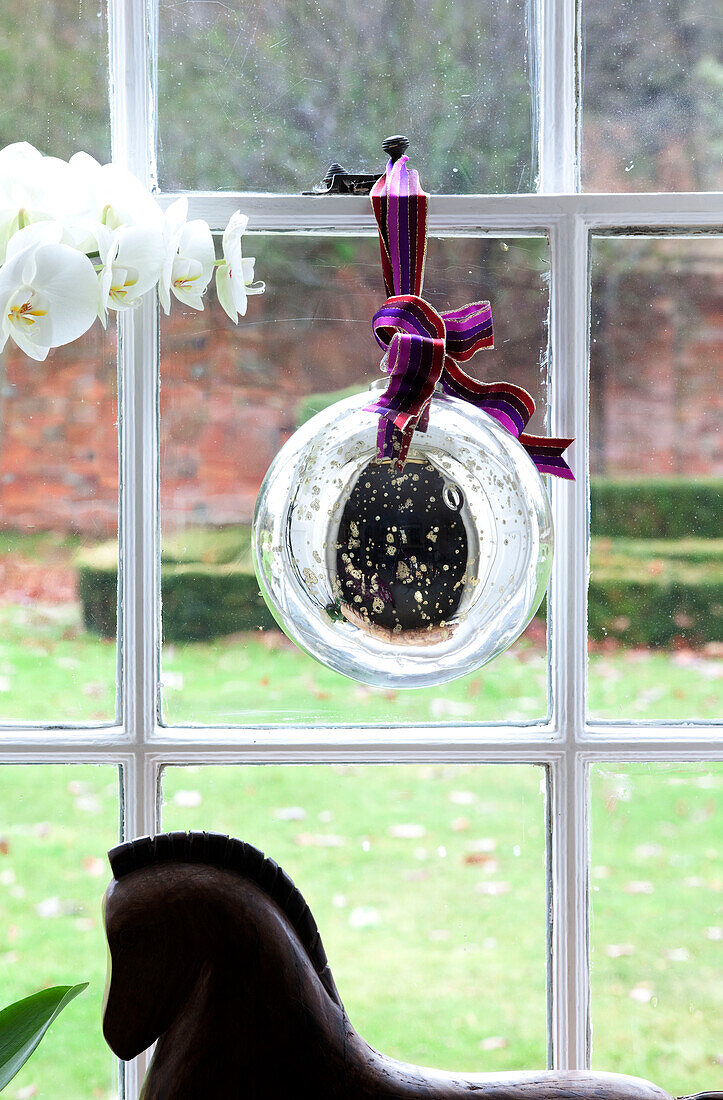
column 257, row 999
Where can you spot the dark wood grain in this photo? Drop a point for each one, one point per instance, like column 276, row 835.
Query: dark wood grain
column 215, row 954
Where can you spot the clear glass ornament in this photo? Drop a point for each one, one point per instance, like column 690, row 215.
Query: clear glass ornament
column 403, row 579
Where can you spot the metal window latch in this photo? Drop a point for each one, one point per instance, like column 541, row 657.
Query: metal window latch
column 338, row 181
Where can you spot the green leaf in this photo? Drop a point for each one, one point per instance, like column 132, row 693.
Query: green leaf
column 23, row 1024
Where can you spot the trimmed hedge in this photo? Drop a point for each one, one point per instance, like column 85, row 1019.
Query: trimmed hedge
column 201, row 599
column 660, row 508
column 315, row 403
column 642, row 592
column 648, row 593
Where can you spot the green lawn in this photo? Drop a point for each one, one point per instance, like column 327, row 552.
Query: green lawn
column 428, row 884
column 262, row 678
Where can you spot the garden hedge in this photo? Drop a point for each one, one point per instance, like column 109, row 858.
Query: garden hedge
column 643, row 592
column 656, row 508
column 215, row 593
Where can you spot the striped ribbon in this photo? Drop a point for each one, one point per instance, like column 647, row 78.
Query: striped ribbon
column 423, row 347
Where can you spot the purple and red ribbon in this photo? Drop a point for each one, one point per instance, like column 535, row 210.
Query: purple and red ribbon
column 423, row 347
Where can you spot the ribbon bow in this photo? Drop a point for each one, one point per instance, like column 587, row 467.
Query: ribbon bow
column 424, row 347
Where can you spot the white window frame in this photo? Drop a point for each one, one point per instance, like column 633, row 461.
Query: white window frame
column 568, row 743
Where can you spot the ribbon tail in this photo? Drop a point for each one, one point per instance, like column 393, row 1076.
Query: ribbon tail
column 510, row 405
column 546, row 453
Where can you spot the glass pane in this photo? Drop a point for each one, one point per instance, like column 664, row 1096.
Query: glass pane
column 56, row 825
column 231, row 396
column 265, row 95
column 656, row 588
column 58, row 532
column 657, row 964
column 427, row 883
column 652, row 96
column 53, row 59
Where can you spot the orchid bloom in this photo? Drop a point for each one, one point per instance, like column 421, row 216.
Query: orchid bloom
column 234, row 276
column 132, row 261
column 112, row 195
column 189, row 259
column 48, row 293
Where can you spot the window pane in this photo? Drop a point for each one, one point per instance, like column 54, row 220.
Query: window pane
column 652, row 96
column 427, row 883
column 53, row 58
column 656, row 589
column 56, row 825
column 231, row 396
column 264, row 95
column 657, row 973
column 58, row 532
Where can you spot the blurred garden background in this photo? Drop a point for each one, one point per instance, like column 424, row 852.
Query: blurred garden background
column 428, row 883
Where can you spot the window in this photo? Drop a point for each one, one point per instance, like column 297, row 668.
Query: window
column 577, row 775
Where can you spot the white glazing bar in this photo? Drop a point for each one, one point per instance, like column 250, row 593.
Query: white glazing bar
column 569, row 975
column 460, row 213
column 132, row 119
column 132, row 40
column 559, row 70
column 569, row 970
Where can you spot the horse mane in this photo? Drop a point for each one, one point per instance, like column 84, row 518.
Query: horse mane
column 229, row 854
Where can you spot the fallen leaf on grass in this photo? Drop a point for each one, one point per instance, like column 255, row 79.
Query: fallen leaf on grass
column 494, row 1042
column 639, row 886
column 642, row 993
column 319, row 840
column 418, row 874
column 619, row 950
column 406, row 831
column 460, row 824
column 94, row 866
column 187, row 799
column 49, row 907
column 492, row 889
column 677, row 954
column 714, row 933
column 290, row 813
column 462, row 798
column 484, row 844
column 364, row 916
column 649, row 851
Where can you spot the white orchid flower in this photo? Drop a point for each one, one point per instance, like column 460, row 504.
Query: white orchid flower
column 48, row 296
column 189, row 259
column 132, row 261
column 235, row 275
column 113, row 195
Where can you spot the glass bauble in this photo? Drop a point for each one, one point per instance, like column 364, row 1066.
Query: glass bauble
column 403, row 578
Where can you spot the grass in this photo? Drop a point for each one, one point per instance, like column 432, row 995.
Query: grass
column 428, row 884
column 259, row 678
column 435, row 933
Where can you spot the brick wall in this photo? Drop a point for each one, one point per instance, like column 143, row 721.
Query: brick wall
column 228, row 399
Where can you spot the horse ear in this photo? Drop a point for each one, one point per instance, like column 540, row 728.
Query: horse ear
column 145, row 987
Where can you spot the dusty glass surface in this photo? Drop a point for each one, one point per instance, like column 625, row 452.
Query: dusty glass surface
column 656, row 585
column 265, row 95
column 657, row 922
column 230, row 397
column 56, row 824
column 58, row 532
column 54, row 68
column 427, row 883
column 652, row 95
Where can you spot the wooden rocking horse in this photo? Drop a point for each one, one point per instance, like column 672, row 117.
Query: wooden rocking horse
column 215, row 954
